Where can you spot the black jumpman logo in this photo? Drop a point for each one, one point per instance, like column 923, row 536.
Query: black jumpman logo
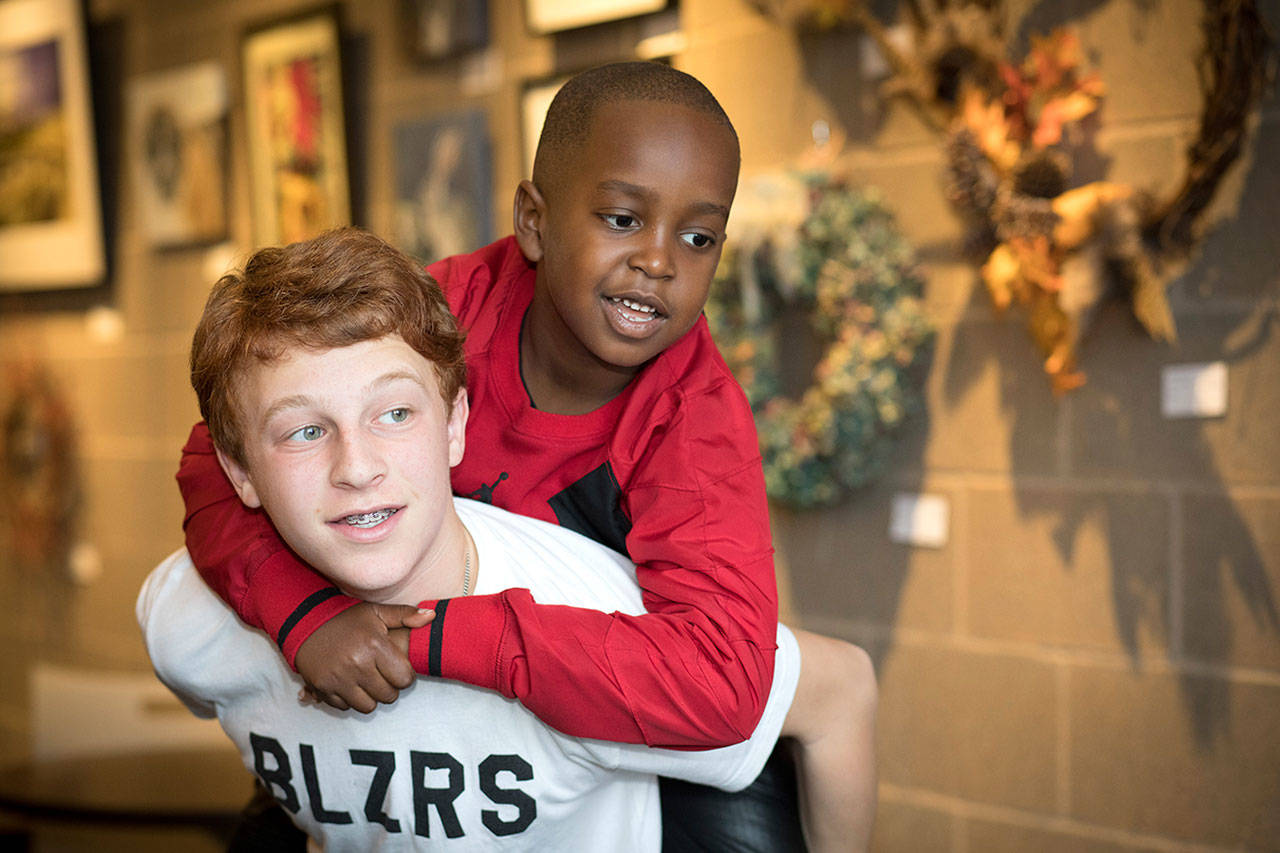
column 485, row 493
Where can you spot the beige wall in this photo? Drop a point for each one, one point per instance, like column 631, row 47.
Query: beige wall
column 1091, row 662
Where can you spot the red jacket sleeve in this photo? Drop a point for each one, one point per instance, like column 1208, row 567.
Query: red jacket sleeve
column 695, row 671
column 239, row 554
column 659, row 679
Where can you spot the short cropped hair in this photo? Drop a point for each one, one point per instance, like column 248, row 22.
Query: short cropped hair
column 572, row 110
column 341, row 288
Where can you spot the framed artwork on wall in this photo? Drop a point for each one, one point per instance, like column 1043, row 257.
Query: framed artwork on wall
column 444, row 185
column 439, row 29
column 295, row 128
column 51, row 234
column 178, row 153
column 534, row 101
column 549, row 16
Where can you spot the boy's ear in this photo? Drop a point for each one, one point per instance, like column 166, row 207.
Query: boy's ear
column 529, row 216
column 457, row 427
column 239, row 478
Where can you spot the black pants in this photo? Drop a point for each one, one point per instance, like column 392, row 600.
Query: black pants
column 265, row 827
column 762, row 818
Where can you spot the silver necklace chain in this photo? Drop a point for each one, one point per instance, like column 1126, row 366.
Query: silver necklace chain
column 466, row 569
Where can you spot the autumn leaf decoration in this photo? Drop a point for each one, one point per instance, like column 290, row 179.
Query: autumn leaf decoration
column 1054, row 250
column 1010, row 182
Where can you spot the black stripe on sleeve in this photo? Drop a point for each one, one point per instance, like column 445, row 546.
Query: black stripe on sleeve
column 311, row 603
column 437, row 638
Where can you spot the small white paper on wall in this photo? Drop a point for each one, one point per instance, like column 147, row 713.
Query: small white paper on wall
column 922, row 520
column 1194, row 390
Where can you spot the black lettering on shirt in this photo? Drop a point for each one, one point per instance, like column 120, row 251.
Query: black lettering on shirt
column 313, row 788
column 385, row 764
column 441, row 798
column 526, row 806
column 277, row 777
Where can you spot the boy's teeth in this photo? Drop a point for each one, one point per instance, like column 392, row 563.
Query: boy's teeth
column 635, row 306
column 369, row 519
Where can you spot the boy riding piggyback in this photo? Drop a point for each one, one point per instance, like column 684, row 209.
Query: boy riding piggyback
column 600, row 403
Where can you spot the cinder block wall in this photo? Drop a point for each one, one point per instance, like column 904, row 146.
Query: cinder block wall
column 1091, row 663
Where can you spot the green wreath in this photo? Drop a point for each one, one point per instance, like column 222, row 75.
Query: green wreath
column 842, row 261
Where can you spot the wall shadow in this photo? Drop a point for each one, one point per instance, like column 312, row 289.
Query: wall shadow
column 1226, row 305
column 847, row 578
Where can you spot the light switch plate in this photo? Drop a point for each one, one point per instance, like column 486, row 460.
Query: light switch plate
column 922, row 520
column 1194, row 390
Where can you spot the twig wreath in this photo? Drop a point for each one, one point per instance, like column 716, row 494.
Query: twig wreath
column 816, row 246
column 37, row 467
column 1055, row 250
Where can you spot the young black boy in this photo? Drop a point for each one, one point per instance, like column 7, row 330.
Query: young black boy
column 601, row 404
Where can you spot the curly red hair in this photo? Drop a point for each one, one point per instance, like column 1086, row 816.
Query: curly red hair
column 340, row 288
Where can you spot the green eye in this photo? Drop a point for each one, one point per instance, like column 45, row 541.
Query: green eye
column 395, row 416
column 306, row 433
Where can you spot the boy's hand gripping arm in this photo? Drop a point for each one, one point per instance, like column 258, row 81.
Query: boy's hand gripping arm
column 338, row 644
column 659, row 679
column 693, row 672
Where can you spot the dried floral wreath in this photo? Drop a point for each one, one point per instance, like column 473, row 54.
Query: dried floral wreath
column 814, row 245
column 1054, row 249
column 37, row 467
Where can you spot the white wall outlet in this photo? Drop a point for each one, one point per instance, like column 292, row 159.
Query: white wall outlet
column 1194, row 390
column 922, row 520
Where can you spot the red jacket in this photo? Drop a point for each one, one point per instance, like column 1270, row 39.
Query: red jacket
column 668, row 472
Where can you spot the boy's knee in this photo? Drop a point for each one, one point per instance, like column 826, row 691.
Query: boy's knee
column 860, row 673
column 841, row 679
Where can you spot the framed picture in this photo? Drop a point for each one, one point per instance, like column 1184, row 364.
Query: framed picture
column 295, row 127
column 50, row 206
column 444, row 185
column 178, row 153
column 534, row 101
column 549, row 16
column 439, row 29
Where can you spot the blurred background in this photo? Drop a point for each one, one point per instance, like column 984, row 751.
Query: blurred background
column 1067, row 575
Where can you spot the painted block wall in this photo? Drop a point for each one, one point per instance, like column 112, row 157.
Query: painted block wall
column 1091, row 662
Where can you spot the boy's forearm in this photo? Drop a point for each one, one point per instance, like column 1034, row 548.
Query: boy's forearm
column 694, row 673
column 660, row 679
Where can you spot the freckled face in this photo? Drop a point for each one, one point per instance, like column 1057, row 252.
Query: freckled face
column 633, row 232
column 348, row 450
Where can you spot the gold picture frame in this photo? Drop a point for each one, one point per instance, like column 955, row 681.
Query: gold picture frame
column 51, row 234
column 295, row 128
column 551, row 16
column 535, row 98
